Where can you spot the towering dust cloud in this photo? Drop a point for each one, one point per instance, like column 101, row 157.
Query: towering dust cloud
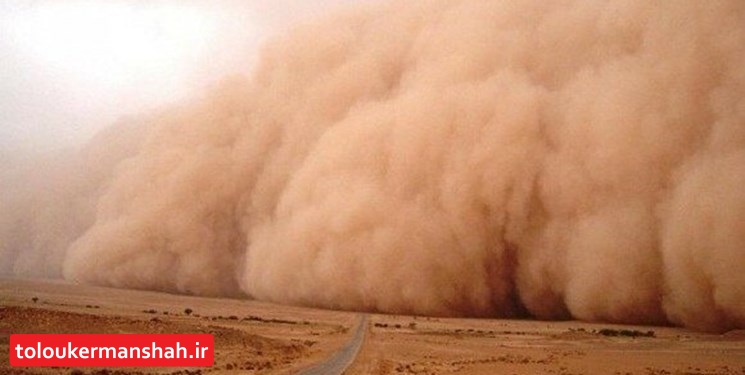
column 558, row 159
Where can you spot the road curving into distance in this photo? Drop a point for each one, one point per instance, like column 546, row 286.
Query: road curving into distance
column 343, row 358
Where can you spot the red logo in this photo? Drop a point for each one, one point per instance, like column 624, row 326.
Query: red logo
column 168, row 350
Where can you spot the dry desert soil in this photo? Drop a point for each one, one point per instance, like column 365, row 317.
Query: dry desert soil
column 254, row 337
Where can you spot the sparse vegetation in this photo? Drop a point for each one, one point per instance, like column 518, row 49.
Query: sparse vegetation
column 610, row 332
column 188, row 311
column 35, row 299
column 263, row 320
column 624, row 332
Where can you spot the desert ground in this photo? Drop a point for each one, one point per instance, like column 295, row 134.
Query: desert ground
column 261, row 338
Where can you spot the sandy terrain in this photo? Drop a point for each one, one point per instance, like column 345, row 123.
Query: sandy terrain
column 262, row 338
column 462, row 346
column 250, row 336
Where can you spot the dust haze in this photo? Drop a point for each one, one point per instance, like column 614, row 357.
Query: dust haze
column 567, row 159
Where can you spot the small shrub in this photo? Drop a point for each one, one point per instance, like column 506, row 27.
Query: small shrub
column 188, row 311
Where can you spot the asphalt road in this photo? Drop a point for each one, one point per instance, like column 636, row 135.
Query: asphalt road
column 342, row 359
